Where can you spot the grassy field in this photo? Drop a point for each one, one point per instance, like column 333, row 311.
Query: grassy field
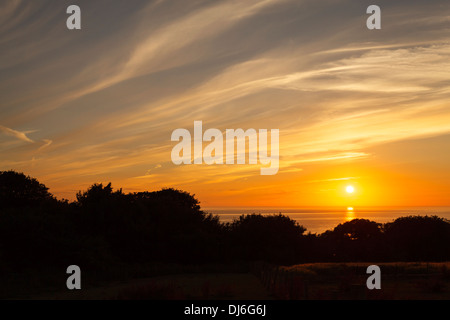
column 196, row 286
column 401, row 280
column 313, row 281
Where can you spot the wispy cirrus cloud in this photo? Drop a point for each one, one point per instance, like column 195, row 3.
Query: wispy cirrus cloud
column 107, row 98
column 16, row 134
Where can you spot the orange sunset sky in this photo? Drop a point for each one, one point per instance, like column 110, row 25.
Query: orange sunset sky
column 367, row 108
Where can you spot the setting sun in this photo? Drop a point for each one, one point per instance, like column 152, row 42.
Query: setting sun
column 350, row 189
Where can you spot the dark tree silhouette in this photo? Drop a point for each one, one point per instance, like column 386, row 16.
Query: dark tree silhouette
column 418, row 238
column 358, row 230
column 274, row 238
column 98, row 194
column 19, row 190
column 358, row 239
column 165, row 225
column 181, row 231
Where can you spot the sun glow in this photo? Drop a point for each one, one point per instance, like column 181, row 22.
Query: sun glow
column 350, row 189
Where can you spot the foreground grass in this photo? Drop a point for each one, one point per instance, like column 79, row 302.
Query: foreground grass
column 330, row 281
column 216, row 286
column 399, row 280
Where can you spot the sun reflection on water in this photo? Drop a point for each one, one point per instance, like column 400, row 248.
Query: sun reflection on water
column 350, row 214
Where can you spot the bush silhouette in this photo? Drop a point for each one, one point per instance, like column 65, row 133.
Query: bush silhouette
column 98, row 195
column 274, row 238
column 19, row 190
column 358, row 239
column 418, row 238
column 165, row 225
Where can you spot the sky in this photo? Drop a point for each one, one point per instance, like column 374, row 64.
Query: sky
column 360, row 107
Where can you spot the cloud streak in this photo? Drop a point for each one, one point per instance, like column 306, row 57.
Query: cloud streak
column 107, row 98
column 16, row 134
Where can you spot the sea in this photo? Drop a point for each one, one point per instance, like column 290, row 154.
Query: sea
column 320, row 219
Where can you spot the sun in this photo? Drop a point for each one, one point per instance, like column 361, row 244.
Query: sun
column 350, row 189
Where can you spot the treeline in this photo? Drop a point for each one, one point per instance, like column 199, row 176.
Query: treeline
column 106, row 227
